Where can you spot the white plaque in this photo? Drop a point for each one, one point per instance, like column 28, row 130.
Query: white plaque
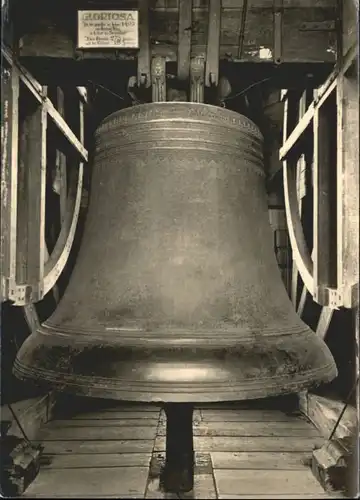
column 108, row 29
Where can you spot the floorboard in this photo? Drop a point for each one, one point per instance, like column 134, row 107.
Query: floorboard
column 255, row 482
column 91, row 481
column 242, row 451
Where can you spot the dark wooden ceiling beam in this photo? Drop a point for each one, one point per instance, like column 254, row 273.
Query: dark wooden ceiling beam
column 213, row 44
column 184, row 41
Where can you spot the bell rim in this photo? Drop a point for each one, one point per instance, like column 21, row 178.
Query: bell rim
column 116, row 389
column 175, row 373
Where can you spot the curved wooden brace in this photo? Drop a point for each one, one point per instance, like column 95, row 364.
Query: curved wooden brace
column 299, row 247
column 59, row 256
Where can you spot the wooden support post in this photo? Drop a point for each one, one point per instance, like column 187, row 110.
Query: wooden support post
column 300, row 180
column 184, row 42
column 324, row 321
column 144, row 56
column 302, row 301
column 9, row 178
column 38, row 93
column 31, row 317
column 60, row 181
column 82, row 125
column 278, row 15
column 348, row 193
column 323, row 241
column 31, row 204
column 213, row 44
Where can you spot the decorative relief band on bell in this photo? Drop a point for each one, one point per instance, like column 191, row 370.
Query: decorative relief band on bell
column 222, row 336
column 181, row 112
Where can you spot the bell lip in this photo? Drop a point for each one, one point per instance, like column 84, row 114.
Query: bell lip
column 188, row 393
column 187, row 104
column 155, row 376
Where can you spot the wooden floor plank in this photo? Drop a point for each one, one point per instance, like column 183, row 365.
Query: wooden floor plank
column 116, row 415
column 264, row 403
column 273, row 497
column 203, row 488
column 143, row 422
column 273, row 482
column 81, row 461
column 95, row 447
column 203, row 444
column 255, row 453
column 237, row 429
column 90, row 482
column 133, row 407
column 249, row 416
column 261, row 460
column 96, row 433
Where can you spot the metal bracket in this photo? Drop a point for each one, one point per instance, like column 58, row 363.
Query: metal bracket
column 328, row 297
column 158, row 79
column 334, row 298
column 20, row 295
column 318, row 26
column 197, row 79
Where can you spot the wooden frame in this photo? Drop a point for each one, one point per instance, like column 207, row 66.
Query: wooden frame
column 213, row 44
column 28, row 272
column 314, row 269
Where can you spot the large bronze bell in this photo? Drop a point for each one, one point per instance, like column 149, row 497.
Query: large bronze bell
column 176, row 295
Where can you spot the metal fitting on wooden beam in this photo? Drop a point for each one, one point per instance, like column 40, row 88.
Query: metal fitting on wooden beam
column 158, row 79
column 197, row 79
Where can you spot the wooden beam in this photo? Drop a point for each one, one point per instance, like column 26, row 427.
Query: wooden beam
column 32, row 414
column 302, row 301
column 57, row 261
column 296, row 235
column 300, row 168
column 83, row 93
column 278, row 28
column 184, row 43
column 144, row 56
column 37, row 165
column 323, row 93
column 60, row 182
column 348, row 192
column 213, row 44
column 65, row 129
column 9, row 177
column 324, row 321
column 31, row 317
column 322, row 202
column 304, row 295
column 31, row 247
column 37, row 91
column 324, row 413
